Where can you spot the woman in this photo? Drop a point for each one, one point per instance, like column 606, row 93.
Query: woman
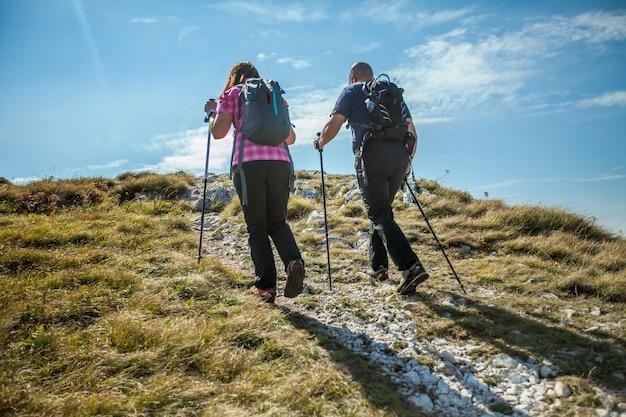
column 267, row 177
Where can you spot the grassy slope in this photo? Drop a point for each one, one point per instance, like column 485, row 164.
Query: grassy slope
column 105, row 310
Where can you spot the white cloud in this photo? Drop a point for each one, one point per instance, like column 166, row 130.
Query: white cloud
column 615, row 98
column 309, row 111
column 514, row 182
column 25, row 180
column 188, row 152
column 442, row 16
column 186, row 31
column 263, row 57
column 296, row 12
column 401, row 12
column 454, row 72
column 367, row 48
column 110, row 165
column 270, row 33
column 157, row 19
column 606, row 177
column 296, row 63
column 592, row 27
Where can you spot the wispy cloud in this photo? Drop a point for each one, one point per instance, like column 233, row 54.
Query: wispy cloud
column 442, row 16
column 25, row 180
column 271, row 33
column 456, row 71
column 403, row 12
column 157, row 19
column 187, row 151
column 296, row 63
column 110, row 165
column 547, row 180
column 264, row 57
column 186, row 31
column 607, row 177
column 367, row 47
column 612, row 99
column 295, row 12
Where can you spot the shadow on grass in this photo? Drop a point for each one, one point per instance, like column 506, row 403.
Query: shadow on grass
column 589, row 354
column 377, row 388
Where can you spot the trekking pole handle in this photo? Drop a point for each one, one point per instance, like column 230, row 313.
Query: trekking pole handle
column 209, row 111
column 317, row 140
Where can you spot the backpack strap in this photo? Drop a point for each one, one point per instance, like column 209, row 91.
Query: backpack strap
column 238, row 169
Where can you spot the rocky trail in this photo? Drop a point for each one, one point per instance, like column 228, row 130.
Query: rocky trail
column 379, row 325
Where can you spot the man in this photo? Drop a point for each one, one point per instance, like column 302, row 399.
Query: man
column 381, row 166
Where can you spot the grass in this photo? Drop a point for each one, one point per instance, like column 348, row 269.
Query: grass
column 104, row 309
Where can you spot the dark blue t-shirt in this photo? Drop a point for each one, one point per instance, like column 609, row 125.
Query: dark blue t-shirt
column 351, row 104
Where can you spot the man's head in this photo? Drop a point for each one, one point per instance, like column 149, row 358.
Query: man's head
column 360, row 71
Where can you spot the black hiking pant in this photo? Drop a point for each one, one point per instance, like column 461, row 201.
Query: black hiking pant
column 380, row 175
column 266, row 217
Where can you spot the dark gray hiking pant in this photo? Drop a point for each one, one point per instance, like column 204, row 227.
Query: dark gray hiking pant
column 385, row 164
column 266, row 217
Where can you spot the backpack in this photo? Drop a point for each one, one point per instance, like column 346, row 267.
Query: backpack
column 265, row 114
column 385, row 103
column 265, row 122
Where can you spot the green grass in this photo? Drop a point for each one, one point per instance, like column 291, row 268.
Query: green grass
column 104, row 309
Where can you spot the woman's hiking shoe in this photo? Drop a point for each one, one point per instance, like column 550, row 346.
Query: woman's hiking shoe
column 377, row 277
column 266, row 295
column 411, row 278
column 295, row 278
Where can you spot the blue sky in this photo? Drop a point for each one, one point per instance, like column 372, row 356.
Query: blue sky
column 523, row 101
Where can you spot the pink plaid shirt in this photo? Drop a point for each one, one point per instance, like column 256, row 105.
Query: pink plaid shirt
column 227, row 104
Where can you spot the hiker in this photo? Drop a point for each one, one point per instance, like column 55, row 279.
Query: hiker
column 268, row 171
column 381, row 167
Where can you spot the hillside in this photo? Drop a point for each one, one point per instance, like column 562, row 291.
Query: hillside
column 106, row 310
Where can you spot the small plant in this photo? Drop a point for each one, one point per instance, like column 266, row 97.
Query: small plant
column 298, row 208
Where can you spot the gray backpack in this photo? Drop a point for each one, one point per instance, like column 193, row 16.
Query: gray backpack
column 265, row 114
column 265, row 121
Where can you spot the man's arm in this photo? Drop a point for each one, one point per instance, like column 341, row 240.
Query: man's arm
column 330, row 130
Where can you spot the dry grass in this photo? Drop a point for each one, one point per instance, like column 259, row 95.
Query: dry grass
column 104, row 309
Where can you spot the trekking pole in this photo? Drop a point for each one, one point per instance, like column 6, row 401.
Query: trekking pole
column 206, row 175
column 330, row 282
column 434, row 234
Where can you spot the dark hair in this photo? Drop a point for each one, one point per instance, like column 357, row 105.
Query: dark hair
column 239, row 72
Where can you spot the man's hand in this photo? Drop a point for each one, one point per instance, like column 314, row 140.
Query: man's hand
column 317, row 142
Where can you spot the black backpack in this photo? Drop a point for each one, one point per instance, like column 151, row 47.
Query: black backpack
column 385, row 103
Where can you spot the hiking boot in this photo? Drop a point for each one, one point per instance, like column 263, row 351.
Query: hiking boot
column 266, row 295
column 411, row 278
column 379, row 276
column 295, row 278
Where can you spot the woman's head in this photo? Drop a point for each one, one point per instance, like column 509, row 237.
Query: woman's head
column 239, row 72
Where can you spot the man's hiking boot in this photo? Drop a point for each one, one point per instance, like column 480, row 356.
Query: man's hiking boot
column 411, row 278
column 379, row 276
column 295, row 278
column 266, row 295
